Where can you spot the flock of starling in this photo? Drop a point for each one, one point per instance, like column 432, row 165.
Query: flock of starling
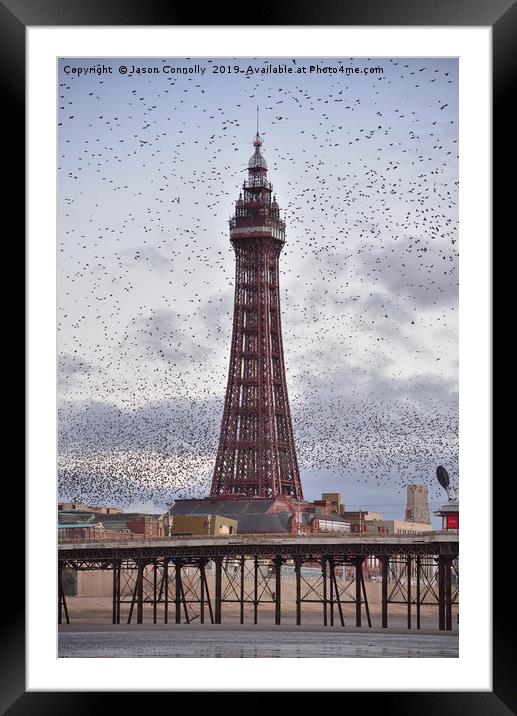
column 365, row 172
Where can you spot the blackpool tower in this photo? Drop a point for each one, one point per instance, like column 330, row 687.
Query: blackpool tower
column 256, row 455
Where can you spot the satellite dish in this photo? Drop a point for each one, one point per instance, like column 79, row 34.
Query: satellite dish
column 443, row 476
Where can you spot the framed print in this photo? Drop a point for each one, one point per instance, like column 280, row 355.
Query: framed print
column 377, row 165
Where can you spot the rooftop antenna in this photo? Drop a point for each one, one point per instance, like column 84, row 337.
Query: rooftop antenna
column 257, row 119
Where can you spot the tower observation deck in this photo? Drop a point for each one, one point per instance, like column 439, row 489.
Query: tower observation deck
column 256, row 455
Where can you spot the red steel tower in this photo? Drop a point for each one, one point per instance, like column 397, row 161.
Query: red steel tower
column 256, row 455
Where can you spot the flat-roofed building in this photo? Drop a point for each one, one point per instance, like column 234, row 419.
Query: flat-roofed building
column 207, row 524
column 337, row 505
column 106, row 510
column 81, row 507
column 398, row 527
column 149, row 526
column 362, row 516
column 359, row 519
column 72, row 507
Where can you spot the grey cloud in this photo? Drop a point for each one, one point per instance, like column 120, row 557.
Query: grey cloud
column 69, row 365
column 217, row 311
column 70, row 368
column 385, row 305
column 162, row 336
column 425, row 271
column 147, row 258
column 169, row 426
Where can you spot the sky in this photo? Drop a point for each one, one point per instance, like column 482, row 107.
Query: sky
column 363, row 157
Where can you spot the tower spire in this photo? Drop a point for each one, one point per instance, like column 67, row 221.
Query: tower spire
column 257, row 142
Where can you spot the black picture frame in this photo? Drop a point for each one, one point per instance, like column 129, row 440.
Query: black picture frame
column 15, row 17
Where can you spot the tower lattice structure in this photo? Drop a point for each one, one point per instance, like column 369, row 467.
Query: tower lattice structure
column 256, row 454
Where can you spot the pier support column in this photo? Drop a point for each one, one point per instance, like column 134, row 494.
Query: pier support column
column 201, row 567
column 62, row 607
column 255, row 590
column 119, row 584
column 408, row 570
column 441, row 592
column 242, row 590
column 385, row 561
column 177, row 594
column 206, row 591
column 365, row 597
column 336, row 592
column 332, row 577
column 218, row 588
column 165, row 582
column 358, row 585
column 115, row 616
column 140, row 592
column 448, row 593
column 297, row 570
column 155, row 589
column 278, row 588
column 324, row 575
column 418, row 569
column 133, row 598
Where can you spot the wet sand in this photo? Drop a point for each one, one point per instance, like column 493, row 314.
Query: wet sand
column 91, row 633
column 235, row 641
